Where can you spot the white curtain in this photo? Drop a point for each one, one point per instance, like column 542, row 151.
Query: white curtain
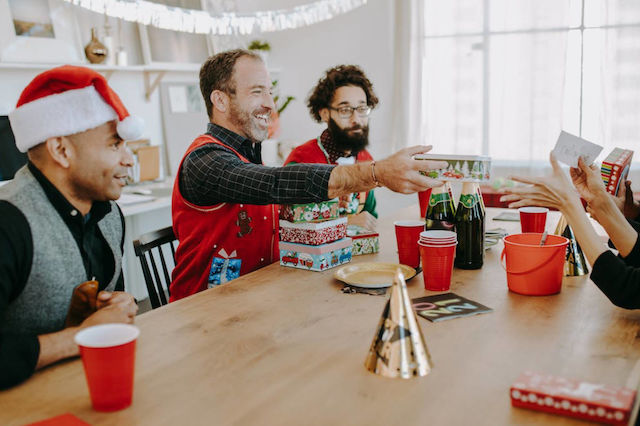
column 503, row 77
column 408, row 57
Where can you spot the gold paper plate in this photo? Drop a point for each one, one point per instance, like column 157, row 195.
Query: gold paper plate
column 372, row 275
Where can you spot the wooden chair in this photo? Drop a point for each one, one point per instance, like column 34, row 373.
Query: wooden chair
column 143, row 247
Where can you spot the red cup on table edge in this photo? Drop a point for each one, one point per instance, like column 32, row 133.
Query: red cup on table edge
column 437, row 265
column 108, row 355
column 533, row 219
column 407, row 234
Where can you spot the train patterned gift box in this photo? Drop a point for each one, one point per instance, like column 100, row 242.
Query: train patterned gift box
column 313, row 233
column 324, row 210
column 315, row 258
column 557, row 395
column 364, row 241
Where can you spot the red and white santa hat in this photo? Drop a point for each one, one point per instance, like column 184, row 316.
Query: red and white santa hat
column 67, row 100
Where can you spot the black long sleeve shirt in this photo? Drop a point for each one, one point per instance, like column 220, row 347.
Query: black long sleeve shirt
column 19, row 352
column 619, row 277
column 213, row 174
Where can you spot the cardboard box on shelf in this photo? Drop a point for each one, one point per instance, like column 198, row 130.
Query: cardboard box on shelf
column 146, row 160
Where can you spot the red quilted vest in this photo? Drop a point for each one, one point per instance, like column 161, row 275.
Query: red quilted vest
column 219, row 242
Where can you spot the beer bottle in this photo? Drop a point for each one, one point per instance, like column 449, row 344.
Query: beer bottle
column 441, row 213
column 470, row 228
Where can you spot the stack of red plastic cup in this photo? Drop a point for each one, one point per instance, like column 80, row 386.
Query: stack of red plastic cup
column 437, row 251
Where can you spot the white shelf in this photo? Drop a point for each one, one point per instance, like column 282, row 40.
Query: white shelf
column 166, row 67
column 150, row 85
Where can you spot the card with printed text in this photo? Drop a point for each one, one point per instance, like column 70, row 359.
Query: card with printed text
column 446, row 306
column 569, row 147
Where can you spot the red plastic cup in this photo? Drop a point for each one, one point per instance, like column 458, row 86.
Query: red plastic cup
column 108, row 354
column 407, row 234
column 533, row 219
column 423, row 198
column 437, row 266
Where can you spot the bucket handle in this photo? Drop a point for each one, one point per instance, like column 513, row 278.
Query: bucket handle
column 502, row 255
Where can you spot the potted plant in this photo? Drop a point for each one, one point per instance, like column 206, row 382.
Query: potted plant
column 274, row 125
column 261, row 47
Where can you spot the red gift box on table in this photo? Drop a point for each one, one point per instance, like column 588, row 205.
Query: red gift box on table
column 568, row 397
column 313, row 233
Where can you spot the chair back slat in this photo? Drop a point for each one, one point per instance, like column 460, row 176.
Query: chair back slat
column 143, row 248
column 158, row 283
column 153, row 295
column 167, row 279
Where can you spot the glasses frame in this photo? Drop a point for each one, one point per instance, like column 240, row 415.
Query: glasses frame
column 351, row 110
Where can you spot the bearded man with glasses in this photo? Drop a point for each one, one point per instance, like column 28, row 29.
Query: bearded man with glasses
column 343, row 98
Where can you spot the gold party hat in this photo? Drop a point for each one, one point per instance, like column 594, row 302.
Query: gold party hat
column 398, row 348
column 575, row 264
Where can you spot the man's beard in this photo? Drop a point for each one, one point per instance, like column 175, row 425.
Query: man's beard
column 347, row 142
column 248, row 123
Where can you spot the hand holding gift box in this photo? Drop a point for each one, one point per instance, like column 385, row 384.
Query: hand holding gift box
column 463, row 168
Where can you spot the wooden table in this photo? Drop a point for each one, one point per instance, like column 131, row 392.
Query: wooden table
column 285, row 346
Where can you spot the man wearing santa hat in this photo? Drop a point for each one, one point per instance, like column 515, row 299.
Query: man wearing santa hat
column 60, row 226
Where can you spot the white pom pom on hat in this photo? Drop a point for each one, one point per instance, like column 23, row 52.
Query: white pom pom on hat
column 67, row 100
column 131, row 127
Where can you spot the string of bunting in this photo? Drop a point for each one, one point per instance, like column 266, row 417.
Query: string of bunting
column 226, row 23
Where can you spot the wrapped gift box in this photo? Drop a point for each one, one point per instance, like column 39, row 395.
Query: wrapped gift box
column 315, row 258
column 364, row 241
column 557, row 395
column 462, row 168
column 313, row 233
column 615, row 169
column 325, row 210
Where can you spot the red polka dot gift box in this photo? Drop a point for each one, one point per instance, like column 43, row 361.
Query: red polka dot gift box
column 567, row 397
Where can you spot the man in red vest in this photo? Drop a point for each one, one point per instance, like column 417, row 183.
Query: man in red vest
column 343, row 99
column 224, row 200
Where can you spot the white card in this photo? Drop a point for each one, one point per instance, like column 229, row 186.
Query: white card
column 569, row 147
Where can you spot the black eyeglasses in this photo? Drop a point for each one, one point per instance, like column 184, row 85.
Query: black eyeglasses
column 347, row 111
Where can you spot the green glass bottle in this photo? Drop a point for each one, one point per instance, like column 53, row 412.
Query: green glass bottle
column 441, row 213
column 470, row 228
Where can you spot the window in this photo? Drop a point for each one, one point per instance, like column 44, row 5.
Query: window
column 503, row 77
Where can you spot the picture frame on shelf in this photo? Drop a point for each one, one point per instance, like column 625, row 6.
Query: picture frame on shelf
column 175, row 49
column 38, row 31
column 184, row 117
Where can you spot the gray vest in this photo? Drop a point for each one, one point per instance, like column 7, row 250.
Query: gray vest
column 57, row 265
